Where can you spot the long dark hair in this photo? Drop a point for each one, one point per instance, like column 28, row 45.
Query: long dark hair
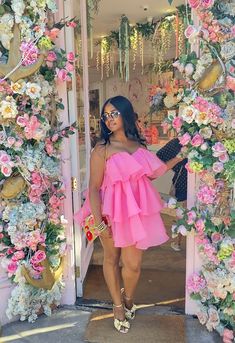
column 129, row 117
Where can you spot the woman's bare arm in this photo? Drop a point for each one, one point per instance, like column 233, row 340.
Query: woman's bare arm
column 97, row 165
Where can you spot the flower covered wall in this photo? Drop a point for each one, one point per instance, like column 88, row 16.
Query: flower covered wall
column 205, row 125
column 32, row 242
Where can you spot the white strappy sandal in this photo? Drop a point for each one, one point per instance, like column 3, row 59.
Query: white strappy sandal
column 129, row 313
column 121, row 326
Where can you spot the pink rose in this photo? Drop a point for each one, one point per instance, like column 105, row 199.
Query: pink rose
column 4, row 158
column 224, row 158
column 185, row 139
column 190, row 31
column 207, row 3
column 230, row 83
column 191, row 217
column 53, row 33
column 38, row 257
column 6, row 171
column 228, row 336
column 177, row 123
column 69, row 67
column 70, row 56
column 72, row 24
column 12, row 267
column 218, row 167
column 194, row 3
column 197, row 140
column 51, row 56
column 19, row 143
column 22, row 121
column 200, row 225
column 11, row 140
column 1, row 235
column 216, row 237
column 18, row 255
column 55, row 137
column 218, row 149
column 62, row 75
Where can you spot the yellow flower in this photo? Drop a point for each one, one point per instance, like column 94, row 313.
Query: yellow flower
column 196, row 166
column 45, row 43
column 18, row 87
column 8, row 108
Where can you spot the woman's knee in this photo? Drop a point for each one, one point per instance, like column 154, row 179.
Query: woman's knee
column 111, row 258
column 132, row 265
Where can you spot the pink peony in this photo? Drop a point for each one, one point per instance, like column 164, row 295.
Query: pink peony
column 207, row 3
column 185, row 139
column 197, row 140
column 206, row 195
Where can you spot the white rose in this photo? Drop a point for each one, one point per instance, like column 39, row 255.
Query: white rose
column 182, row 229
column 204, row 147
column 189, row 69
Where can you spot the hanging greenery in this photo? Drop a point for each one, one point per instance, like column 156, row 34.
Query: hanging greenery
column 129, row 40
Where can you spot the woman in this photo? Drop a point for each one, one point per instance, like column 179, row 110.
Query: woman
column 120, row 190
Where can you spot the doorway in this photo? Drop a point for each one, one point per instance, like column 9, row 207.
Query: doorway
column 141, row 80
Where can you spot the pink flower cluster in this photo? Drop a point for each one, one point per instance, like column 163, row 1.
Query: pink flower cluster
column 195, row 283
column 213, row 111
column 206, row 195
column 6, row 163
column 32, row 126
column 29, row 52
column 28, row 239
column 55, row 203
column 35, row 262
column 204, row 4
column 220, row 151
column 37, row 187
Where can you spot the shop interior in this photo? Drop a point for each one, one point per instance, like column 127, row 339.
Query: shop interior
column 131, row 48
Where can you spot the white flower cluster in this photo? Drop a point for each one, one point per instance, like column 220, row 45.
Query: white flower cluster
column 6, row 25
column 205, row 60
column 28, row 302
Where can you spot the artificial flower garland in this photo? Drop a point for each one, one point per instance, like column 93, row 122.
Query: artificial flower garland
column 32, row 191
column 205, row 125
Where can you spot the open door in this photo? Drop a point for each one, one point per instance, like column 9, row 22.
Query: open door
column 78, row 103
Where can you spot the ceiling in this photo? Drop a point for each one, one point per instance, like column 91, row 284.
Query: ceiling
column 108, row 17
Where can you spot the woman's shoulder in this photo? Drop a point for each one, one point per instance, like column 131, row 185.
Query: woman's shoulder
column 99, row 149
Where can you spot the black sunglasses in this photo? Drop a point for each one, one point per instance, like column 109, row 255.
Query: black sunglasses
column 113, row 115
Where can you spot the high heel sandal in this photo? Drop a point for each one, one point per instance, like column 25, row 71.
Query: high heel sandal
column 129, row 313
column 122, row 326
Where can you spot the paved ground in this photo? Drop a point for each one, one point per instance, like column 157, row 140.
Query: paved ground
column 71, row 324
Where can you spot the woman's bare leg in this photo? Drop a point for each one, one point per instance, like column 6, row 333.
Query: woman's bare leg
column 131, row 259
column 112, row 274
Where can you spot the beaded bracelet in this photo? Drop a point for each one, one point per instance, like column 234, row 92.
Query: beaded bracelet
column 101, row 227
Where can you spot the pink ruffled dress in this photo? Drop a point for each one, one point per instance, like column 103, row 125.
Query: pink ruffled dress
column 129, row 200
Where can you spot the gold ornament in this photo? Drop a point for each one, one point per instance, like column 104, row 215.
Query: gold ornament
column 210, row 76
column 49, row 276
column 14, row 59
column 12, row 187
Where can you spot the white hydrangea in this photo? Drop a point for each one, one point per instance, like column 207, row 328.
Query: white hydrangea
column 6, row 34
column 18, row 7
